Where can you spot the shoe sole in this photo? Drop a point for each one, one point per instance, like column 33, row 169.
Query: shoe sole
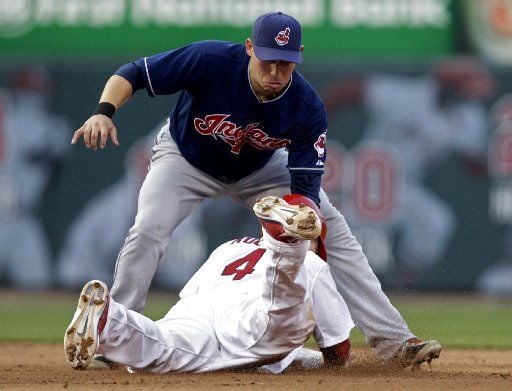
column 298, row 221
column 81, row 337
column 428, row 352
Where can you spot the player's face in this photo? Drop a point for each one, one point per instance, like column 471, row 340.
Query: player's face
column 268, row 78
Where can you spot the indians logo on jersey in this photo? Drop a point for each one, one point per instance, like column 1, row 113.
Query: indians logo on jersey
column 320, row 145
column 216, row 125
column 283, row 37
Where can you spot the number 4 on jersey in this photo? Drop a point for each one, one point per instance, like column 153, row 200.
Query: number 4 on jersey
column 248, row 262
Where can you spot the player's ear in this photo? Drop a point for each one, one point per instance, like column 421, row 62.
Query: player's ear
column 301, row 48
column 248, row 47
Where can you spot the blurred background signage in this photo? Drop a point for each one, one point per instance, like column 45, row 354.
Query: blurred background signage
column 490, row 29
column 76, row 28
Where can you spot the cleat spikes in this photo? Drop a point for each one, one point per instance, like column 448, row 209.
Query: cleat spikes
column 285, row 222
column 81, row 338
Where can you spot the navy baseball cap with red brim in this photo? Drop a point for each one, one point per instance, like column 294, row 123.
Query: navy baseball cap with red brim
column 277, row 37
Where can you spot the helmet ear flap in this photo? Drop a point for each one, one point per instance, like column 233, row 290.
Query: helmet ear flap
column 297, row 199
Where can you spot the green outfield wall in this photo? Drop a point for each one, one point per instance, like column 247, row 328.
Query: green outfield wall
column 104, row 28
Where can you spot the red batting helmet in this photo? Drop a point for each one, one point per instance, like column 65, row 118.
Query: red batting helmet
column 297, row 199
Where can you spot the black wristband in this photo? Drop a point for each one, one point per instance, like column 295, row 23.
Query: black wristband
column 105, row 108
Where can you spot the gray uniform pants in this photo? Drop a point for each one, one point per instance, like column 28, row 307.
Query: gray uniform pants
column 171, row 191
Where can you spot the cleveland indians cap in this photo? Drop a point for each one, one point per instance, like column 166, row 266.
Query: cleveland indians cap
column 277, row 36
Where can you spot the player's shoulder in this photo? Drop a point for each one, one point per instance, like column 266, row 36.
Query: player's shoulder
column 223, row 50
column 245, row 241
column 304, row 91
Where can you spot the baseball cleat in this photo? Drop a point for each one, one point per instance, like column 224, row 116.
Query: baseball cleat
column 415, row 352
column 285, row 222
column 82, row 335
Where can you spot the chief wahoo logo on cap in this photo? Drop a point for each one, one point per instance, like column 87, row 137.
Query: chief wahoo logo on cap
column 283, row 37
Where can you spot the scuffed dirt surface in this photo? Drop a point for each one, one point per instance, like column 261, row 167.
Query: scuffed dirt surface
column 42, row 366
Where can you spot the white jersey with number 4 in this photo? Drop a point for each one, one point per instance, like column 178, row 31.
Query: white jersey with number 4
column 253, row 302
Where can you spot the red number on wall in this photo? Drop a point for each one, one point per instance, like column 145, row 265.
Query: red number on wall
column 376, row 183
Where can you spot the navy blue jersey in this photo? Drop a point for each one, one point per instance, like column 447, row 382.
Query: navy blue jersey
column 219, row 124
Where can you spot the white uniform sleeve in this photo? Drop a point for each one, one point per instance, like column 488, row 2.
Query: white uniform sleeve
column 333, row 320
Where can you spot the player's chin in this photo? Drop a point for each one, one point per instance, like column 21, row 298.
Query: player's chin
column 273, row 92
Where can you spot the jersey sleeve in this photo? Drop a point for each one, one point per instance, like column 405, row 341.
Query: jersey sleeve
column 133, row 73
column 306, row 156
column 333, row 320
column 307, row 185
column 173, row 71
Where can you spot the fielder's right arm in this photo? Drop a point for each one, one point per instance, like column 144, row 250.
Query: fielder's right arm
column 100, row 126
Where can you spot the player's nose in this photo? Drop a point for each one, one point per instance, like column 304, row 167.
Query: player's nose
column 273, row 68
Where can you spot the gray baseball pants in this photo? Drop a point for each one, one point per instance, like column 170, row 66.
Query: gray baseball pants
column 171, row 191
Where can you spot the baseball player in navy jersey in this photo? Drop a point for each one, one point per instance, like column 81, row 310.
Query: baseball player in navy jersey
column 246, row 125
column 254, row 302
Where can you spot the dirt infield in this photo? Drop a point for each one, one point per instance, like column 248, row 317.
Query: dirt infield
column 42, row 366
